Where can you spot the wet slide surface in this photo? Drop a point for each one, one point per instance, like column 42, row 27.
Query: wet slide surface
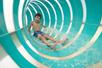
column 78, row 20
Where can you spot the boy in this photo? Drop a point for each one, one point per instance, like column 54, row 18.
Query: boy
column 39, row 34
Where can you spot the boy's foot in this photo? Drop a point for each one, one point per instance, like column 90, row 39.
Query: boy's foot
column 62, row 41
column 53, row 46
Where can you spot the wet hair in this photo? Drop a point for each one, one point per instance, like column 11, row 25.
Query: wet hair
column 38, row 14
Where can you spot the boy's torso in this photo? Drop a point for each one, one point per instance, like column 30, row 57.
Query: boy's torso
column 36, row 26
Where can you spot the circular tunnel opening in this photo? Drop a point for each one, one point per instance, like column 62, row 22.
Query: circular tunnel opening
column 79, row 21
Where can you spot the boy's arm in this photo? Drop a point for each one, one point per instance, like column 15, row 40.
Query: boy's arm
column 29, row 27
column 43, row 25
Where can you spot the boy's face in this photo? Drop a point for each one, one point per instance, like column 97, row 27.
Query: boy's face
column 37, row 18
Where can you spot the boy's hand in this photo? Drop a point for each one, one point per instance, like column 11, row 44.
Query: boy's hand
column 44, row 26
column 28, row 29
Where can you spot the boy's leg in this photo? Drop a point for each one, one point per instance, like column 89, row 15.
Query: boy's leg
column 52, row 39
column 43, row 39
column 49, row 37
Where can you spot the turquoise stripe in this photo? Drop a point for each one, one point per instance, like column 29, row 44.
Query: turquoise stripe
column 92, row 23
column 10, row 48
column 77, row 16
column 94, row 11
column 15, row 12
column 28, row 17
column 3, row 29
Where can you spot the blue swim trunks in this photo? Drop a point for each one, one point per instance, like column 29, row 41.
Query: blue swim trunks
column 37, row 32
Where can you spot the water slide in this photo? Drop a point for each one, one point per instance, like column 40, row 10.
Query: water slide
column 78, row 20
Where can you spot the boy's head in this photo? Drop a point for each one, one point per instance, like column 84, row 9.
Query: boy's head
column 38, row 17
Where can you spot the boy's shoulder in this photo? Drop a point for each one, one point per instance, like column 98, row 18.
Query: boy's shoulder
column 32, row 23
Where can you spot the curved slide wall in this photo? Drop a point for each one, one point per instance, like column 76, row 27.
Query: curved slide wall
column 79, row 20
